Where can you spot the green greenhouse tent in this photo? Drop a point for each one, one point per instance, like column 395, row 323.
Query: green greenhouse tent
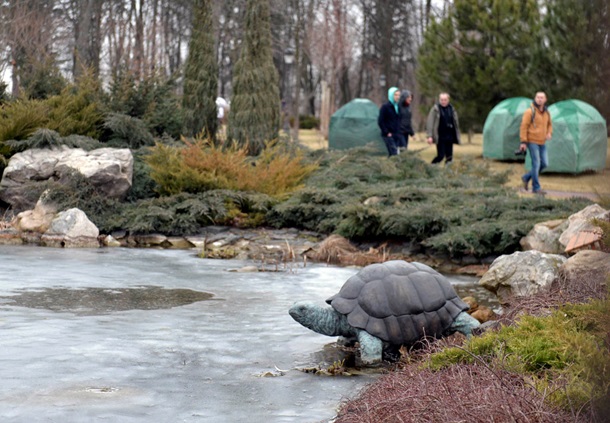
column 355, row 125
column 579, row 140
column 501, row 129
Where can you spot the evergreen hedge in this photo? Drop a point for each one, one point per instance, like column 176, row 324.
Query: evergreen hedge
column 452, row 211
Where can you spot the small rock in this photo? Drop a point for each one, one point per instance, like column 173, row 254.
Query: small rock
column 10, row 236
column 109, row 241
column 178, row 243
column 37, row 220
column 481, row 313
column 150, row 240
column 73, row 223
column 477, row 270
column 61, row 241
column 371, row 201
column 197, row 241
column 581, row 221
column 247, row 269
column 544, row 237
column 119, row 234
column 222, row 240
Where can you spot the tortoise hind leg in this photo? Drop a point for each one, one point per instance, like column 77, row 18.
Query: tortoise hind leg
column 371, row 348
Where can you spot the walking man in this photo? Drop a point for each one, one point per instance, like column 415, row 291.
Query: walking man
column 389, row 123
column 443, row 129
column 536, row 130
column 404, row 105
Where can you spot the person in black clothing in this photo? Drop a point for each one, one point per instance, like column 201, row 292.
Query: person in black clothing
column 443, row 129
column 404, row 105
column 389, row 122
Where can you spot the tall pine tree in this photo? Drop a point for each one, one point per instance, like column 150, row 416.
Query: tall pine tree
column 201, row 74
column 481, row 53
column 575, row 58
column 255, row 106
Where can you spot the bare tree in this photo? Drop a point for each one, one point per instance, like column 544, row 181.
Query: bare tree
column 27, row 32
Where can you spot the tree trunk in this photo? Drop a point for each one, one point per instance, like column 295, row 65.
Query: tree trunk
column 152, row 53
column 298, row 71
column 15, row 79
column 138, row 48
column 87, row 37
column 325, row 108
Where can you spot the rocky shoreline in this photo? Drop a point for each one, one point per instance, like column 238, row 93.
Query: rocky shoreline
column 266, row 246
column 271, row 248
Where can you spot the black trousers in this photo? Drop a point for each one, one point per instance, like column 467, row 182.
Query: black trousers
column 444, row 150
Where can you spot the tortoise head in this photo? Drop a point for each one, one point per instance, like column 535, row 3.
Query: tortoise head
column 324, row 320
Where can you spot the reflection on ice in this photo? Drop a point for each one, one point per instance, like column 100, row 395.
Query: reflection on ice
column 92, row 301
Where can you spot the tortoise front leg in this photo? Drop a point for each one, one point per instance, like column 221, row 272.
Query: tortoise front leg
column 465, row 323
column 371, row 348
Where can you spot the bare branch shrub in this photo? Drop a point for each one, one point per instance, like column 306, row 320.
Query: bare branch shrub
column 459, row 393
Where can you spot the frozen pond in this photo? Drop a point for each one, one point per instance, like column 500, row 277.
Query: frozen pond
column 133, row 335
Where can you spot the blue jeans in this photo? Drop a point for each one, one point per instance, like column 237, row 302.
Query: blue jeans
column 540, row 161
column 394, row 142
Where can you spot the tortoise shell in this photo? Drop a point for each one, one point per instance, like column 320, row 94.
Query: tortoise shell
column 399, row 302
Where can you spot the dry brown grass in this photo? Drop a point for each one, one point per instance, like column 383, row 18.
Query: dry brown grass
column 460, row 393
column 339, row 250
column 313, row 139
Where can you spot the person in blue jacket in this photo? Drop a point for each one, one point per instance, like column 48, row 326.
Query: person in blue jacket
column 389, row 123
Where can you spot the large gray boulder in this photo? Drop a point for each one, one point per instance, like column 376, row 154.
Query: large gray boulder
column 109, row 169
column 521, row 274
column 71, row 228
column 581, row 221
column 544, row 237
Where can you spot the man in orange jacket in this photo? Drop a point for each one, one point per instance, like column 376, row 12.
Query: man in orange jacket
column 536, row 130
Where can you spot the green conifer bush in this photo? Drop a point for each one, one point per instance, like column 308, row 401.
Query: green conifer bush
column 42, row 138
column 47, row 138
column 142, row 185
column 454, row 211
column 186, row 214
column 41, row 80
column 255, row 107
column 153, row 100
column 201, row 74
column 121, row 130
column 77, row 110
column 19, row 119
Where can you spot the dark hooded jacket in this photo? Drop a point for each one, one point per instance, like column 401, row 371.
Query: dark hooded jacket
column 405, row 114
column 389, row 115
column 433, row 123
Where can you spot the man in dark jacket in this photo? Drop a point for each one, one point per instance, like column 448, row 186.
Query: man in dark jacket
column 404, row 105
column 443, row 129
column 389, row 122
